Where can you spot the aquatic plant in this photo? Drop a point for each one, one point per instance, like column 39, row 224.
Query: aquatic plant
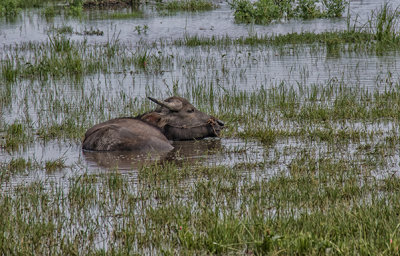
column 9, row 7
column 62, row 30
column 186, row 5
column 75, row 7
column 17, row 136
column 49, row 12
column 384, row 22
column 141, row 29
column 334, row 8
column 338, row 37
column 307, row 9
column 132, row 14
column 318, row 205
column 17, row 165
column 301, row 168
column 259, row 12
column 107, row 3
column 54, row 165
column 9, row 72
column 265, row 11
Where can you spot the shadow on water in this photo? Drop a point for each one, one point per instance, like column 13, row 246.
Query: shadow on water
column 184, row 151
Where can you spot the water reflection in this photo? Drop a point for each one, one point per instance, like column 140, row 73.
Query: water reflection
column 183, row 151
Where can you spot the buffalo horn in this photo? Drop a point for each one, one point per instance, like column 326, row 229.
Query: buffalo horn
column 173, row 106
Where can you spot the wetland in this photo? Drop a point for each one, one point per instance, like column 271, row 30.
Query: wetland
column 308, row 162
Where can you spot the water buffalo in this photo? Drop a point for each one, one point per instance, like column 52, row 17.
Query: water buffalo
column 174, row 119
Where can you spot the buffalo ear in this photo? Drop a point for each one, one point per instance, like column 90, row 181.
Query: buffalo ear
column 155, row 119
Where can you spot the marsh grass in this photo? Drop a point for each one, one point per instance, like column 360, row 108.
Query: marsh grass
column 266, row 11
column 224, row 211
column 8, row 72
column 74, row 8
column 64, row 30
column 11, row 8
column 129, row 15
column 17, row 165
column 89, row 4
column 385, row 23
column 357, row 40
column 16, row 136
column 49, row 12
column 68, row 129
column 315, row 173
column 186, row 5
column 379, row 34
column 54, row 165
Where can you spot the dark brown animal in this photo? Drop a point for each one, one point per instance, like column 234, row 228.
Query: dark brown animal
column 174, row 119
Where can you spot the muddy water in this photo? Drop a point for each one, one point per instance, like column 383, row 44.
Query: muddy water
column 249, row 68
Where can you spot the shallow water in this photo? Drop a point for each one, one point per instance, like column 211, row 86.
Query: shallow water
column 33, row 27
column 248, row 68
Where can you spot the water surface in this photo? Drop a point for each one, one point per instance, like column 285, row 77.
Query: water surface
column 227, row 68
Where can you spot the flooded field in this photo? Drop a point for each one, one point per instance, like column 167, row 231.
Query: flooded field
column 308, row 162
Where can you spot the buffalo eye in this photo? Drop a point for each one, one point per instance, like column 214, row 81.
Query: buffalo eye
column 190, row 110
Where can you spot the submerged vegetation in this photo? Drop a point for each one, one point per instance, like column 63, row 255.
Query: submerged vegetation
column 307, row 164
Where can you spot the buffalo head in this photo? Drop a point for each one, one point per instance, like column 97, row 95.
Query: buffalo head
column 180, row 120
